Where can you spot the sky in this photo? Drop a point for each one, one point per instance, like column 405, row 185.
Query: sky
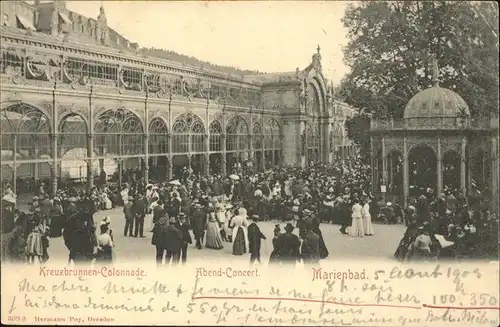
column 266, row 36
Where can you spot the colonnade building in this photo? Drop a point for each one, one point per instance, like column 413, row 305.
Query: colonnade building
column 79, row 99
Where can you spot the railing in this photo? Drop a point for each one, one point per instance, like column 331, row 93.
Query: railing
column 451, row 123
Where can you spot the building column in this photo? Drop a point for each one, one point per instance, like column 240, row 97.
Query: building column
column 224, row 159
column 90, row 161
column 14, row 166
column 169, row 157
column 494, row 173
column 406, row 177
column 145, row 168
column 207, row 164
column 372, row 164
column 384, row 163
column 282, row 150
column 250, row 147
column 36, row 166
column 263, row 156
column 463, row 173
column 206, row 167
column 54, row 164
column 121, row 165
column 120, row 168
column 169, row 166
column 439, row 169
column 189, row 156
column 390, row 179
column 469, row 176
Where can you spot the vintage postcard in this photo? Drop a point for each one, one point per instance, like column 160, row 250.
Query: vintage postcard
column 250, row 163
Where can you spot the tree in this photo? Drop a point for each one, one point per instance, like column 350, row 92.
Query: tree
column 357, row 127
column 391, row 44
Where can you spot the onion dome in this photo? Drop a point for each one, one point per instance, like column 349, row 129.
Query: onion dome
column 436, row 102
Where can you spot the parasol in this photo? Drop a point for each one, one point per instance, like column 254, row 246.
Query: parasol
column 175, row 182
column 442, row 241
column 234, row 177
column 9, row 198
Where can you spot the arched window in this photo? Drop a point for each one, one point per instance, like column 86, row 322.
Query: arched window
column 237, row 134
column 158, row 138
column 272, row 134
column 72, row 134
column 188, row 134
column 119, row 132
column 31, row 129
column 215, row 136
column 257, row 139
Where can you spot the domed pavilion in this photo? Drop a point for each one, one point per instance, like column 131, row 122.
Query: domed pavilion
column 436, row 147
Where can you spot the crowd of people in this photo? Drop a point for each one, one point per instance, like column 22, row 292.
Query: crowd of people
column 443, row 226
column 219, row 211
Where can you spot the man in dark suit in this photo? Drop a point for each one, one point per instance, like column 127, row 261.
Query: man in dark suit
column 255, row 237
column 128, row 211
column 158, row 212
column 198, row 222
column 288, row 246
column 345, row 214
column 183, row 226
column 310, row 246
column 140, row 210
column 173, row 242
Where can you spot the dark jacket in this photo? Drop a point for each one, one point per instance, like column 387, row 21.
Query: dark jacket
column 128, row 211
column 198, row 221
column 172, row 238
column 186, row 236
column 310, row 248
column 288, row 247
column 254, row 238
column 140, row 206
column 158, row 213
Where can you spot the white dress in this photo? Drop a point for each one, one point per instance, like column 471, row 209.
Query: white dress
column 356, row 229
column 367, row 219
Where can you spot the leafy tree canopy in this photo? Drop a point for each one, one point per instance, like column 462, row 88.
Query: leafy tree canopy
column 391, row 44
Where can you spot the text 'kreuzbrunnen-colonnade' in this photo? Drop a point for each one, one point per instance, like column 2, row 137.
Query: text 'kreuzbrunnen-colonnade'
column 72, row 109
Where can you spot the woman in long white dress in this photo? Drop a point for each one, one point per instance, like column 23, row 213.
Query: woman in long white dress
column 367, row 218
column 356, row 229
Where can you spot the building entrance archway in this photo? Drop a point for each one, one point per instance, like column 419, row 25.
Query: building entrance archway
column 422, row 170
column 451, row 170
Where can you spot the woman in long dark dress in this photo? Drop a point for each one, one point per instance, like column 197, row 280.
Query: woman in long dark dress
column 239, row 224
column 274, row 258
column 57, row 219
column 323, row 251
column 406, row 241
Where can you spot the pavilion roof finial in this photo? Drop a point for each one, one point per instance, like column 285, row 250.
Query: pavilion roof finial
column 435, row 71
column 318, row 48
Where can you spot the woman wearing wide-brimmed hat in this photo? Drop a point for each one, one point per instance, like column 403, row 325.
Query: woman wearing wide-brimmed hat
column 104, row 244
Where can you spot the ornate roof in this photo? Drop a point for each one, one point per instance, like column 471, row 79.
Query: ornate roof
column 436, row 102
